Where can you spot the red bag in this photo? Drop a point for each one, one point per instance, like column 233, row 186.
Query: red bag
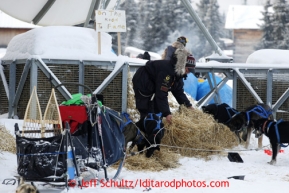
column 75, row 115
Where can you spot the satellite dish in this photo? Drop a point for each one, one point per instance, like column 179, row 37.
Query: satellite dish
column 54, row 12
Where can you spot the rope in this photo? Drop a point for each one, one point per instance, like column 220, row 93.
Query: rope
column 178, row 147
column 195, row 149
column 144, row 137
column 139, row 131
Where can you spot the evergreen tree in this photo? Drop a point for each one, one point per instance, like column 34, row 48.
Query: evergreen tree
column 147, row 15
column 163, row 22
column 208, row 11
column 132, row 19
column 179, row 21
column 131, row 36
column 202, row 8
column 228, row 33
column 155, row 25
column 267, row 29
column 280, row 24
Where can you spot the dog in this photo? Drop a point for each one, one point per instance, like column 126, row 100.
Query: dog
column 277, row 132
column 222, row 113
column 26, row 188
column 132, row 134
column 130, row 131
column 147, row 132
column 153, row 128
column 242, row 122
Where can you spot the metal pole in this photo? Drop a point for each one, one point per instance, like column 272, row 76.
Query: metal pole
column 202, row 27
column 116, row 5
column 90, row 12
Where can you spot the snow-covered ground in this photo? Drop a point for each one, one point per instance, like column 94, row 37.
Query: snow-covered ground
column 193, row 174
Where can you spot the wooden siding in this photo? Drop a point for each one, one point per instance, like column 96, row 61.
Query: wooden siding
column 245, row 41
column 6, row 34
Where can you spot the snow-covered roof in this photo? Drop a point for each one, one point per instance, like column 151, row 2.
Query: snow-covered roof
column 61, row 42
column 244, row 17
column 7, row 21
column 227, row 41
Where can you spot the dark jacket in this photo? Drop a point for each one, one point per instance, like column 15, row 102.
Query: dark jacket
column 169, row 51
column 158, row 77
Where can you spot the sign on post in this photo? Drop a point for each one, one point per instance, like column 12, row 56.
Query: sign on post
column 110, row 21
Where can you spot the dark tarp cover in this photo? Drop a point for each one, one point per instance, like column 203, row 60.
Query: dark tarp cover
column 113, row 137
column 40, row 158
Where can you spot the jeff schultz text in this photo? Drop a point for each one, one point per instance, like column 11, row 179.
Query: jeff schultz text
column 146, row 183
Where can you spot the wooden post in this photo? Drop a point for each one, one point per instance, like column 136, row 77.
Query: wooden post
column 118, row 43
column 99, row 43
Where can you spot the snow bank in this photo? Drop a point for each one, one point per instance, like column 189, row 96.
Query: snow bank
column 60, row 42
column 269, row 56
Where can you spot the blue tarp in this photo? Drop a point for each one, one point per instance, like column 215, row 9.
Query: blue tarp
column 191, row 85
column 197, row 89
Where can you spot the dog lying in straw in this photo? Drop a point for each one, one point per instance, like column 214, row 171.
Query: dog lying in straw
column 26, row 188
column 277, row 132
column 242, row 122
column 147, row 132
column 222, row 113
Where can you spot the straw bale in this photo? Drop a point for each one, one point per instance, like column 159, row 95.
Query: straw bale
column 194, row 133
column 134, row 114
column 7, row 141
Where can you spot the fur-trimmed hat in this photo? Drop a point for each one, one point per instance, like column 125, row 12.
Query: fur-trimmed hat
column 183, row 40
column 181, row 55
column 170, row 50
column 191, row 63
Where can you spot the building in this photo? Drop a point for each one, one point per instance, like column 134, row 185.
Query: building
column 244, row 21
column 10, row 27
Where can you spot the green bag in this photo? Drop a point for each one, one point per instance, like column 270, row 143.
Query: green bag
column 76, row 100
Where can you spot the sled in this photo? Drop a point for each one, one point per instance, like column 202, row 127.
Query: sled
column 61, row 159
